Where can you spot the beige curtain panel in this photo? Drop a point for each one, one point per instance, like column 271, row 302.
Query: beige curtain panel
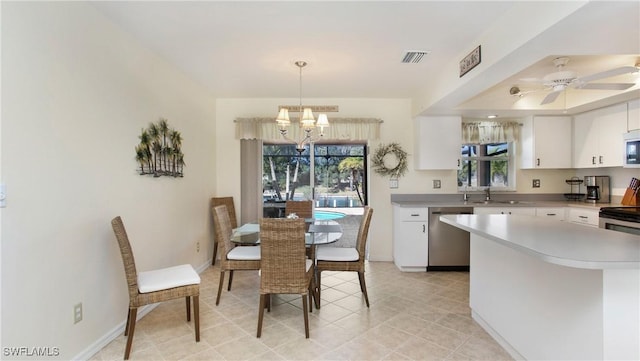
column 340, row 129
column 490, row 132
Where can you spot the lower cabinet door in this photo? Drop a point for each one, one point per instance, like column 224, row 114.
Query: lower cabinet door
column 411, row 245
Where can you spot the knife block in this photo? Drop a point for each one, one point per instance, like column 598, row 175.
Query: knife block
column 630, row 197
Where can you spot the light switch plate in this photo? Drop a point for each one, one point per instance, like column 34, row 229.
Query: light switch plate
column 393, row 183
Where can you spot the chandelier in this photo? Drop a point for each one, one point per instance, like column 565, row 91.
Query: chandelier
column 307, row 121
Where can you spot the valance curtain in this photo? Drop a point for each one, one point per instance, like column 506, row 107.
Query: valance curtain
column 340, row 129
column 490, row 132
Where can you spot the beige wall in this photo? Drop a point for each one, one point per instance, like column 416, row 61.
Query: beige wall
column 397, row 127
column 391, row 111
column 76, row 92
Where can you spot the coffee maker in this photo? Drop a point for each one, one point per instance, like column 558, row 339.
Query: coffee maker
column 598, row 190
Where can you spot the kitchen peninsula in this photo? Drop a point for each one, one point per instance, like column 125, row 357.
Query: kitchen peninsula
column 554, row 290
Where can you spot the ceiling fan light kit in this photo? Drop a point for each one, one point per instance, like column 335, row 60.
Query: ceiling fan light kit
column 562, row 79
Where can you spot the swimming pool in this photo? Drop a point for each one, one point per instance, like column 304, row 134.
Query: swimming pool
column 326, row 215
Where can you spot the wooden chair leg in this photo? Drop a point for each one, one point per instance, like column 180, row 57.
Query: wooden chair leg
column 318, row 286
column 261, row 314
column 196, row 316
column 220, row 287
column 126, row 326
column 363, row 287
column 306, row 316
column 230, row 280
column 133, row 313
column 215, row 253
column 188, row 299
column 268, row 302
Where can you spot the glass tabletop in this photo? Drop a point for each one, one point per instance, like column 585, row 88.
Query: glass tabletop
column 319, row 232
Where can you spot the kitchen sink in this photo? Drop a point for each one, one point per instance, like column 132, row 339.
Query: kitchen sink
column 498, row 202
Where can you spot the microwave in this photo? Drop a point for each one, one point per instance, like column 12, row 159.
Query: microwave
column 632, row 149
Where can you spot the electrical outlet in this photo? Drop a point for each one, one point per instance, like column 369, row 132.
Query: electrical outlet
column 77, row 313
column 393, row 183
column 198, row 246
column 536, row 183
column 436, row 183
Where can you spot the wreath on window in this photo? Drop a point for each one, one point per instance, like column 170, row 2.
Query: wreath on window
column 383, row 151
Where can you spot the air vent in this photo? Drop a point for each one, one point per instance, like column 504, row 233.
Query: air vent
column 414, row 56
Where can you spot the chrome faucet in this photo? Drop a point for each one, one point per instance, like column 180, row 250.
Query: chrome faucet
column 487, row 194
column 465, row 196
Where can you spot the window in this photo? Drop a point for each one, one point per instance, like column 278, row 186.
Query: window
column 487, row 165
column 334, row 177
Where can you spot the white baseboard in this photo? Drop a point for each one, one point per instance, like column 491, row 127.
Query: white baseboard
column 496, row 336
column 117, row 331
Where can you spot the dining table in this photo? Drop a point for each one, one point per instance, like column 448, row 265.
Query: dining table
column 318, row 232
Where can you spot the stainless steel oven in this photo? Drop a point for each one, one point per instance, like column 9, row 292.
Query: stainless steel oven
column 621, row 219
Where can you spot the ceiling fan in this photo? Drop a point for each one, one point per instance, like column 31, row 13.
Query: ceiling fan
column 561, row 79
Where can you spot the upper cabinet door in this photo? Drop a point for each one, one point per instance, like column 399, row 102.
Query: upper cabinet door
column 546, row 142
column 437, row 142
column 597, row 137
column 613, row 126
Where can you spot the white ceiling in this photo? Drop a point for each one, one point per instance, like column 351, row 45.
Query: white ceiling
column 354, row 49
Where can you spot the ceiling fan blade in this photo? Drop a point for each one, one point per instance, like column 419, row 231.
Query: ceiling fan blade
column 609, row 73
column 551, row 97
column 607, row 86
column 531, row 80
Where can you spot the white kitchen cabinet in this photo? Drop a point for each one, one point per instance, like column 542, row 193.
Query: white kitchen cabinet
column 597, row 137
column 554, row 213
column 528, row 211
column 546, row 142
column 583, row 216
column 437, row 142
column 410, row 238
column 633, row 115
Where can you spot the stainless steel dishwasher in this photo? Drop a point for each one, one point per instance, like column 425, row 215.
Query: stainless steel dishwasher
column 448, row 245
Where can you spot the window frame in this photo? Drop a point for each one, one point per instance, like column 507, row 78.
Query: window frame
column 510, row 157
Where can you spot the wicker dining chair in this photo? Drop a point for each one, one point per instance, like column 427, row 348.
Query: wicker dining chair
column 284, row 267
column 155, row 286
column 232, row 258
column 303, row 209
column 226, row 201
column 346, row 259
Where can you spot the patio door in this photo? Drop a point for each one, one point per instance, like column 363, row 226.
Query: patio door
column 334, row 177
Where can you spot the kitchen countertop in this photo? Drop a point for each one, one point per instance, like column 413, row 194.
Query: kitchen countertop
column 498, row 200
column 555, row 242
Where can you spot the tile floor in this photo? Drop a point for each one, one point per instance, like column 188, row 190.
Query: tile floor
column 413, row 316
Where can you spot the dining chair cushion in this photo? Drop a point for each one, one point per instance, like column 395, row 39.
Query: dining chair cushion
column 165, row 278
column 337, row 254
column 244, row 253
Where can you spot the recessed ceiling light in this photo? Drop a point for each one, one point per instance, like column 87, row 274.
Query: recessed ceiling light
column 492, row 116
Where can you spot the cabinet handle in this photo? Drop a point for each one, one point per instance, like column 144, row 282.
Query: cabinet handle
column 415, row 214
column 583, row 217
column 458, row 163
column 593, row 160
column 424, row 228
column 600, row 159
column 551, row 214
column 538, row 162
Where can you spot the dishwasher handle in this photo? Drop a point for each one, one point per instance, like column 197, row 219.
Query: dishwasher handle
column 441, row 213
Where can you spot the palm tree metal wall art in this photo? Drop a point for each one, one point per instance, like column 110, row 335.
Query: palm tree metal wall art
column 159, row 151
